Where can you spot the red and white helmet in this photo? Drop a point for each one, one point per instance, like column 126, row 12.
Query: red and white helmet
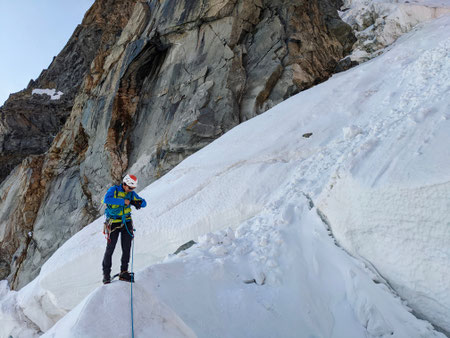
column 131, row 181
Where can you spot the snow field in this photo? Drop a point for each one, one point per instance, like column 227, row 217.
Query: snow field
column 278, row 274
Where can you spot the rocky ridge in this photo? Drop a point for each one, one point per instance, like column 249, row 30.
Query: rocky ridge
column 163, row 84
column 29, row 122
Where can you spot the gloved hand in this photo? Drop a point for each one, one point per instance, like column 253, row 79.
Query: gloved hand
column 137, row 204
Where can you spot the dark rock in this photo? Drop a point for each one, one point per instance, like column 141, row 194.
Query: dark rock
column 345, row 64
column 185, row 246
column 339, row 29
column 4, row 268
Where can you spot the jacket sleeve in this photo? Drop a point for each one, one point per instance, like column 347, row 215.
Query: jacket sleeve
column 137, row 197
column 109, row 197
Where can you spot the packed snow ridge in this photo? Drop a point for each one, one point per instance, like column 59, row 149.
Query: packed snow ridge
column 262, row 202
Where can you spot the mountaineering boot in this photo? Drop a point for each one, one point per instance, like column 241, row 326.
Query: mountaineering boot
column 126, row 276
column 106, row 279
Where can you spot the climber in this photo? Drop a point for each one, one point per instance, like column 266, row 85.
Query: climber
column 119, row 200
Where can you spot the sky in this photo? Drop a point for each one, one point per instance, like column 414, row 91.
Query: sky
column 32, row 32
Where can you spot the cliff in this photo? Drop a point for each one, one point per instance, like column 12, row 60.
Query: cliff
column 146, row 84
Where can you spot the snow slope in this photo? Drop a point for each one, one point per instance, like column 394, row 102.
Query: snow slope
column 260, row 199
column 281, row 276
column 390, row 203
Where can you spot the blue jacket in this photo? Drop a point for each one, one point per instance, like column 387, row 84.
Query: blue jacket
column 115, row 203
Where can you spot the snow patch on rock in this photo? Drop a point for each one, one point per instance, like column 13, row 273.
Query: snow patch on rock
column 54, row 95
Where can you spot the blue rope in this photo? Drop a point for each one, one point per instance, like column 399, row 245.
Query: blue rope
column 132, row 322
column 131, row 272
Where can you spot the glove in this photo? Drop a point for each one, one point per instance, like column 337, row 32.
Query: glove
column 137, row 204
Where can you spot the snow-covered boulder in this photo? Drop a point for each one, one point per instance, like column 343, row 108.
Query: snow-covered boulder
column 378, row 23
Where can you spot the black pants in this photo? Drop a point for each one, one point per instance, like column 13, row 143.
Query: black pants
column 125, row 241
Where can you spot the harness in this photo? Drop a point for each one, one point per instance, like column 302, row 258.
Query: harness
column 108, row 227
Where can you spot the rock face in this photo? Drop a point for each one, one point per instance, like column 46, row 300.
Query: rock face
column 179, row 75
column 28, row 123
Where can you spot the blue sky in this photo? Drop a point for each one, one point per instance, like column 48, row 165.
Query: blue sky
column 32, row 32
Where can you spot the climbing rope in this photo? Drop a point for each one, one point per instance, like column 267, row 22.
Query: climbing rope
column 131, row 272
column 131, row 285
